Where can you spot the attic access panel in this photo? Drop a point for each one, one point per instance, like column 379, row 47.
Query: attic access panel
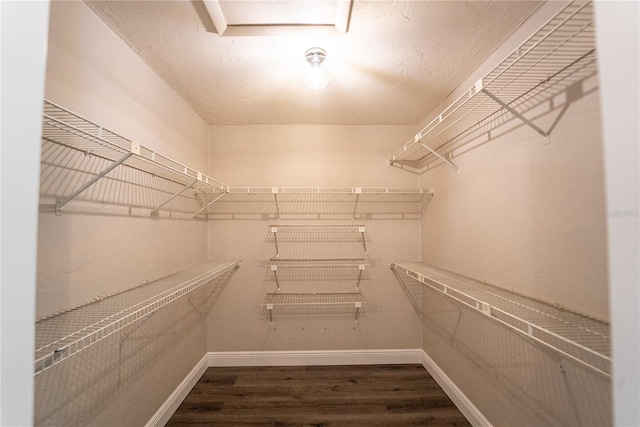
column 271, row 18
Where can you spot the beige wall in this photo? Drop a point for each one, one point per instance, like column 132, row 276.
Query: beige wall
column 522, row 214
column 92, row 72
column 527, row 216
column 530, row 217
column 98, row 250
column 296, row 156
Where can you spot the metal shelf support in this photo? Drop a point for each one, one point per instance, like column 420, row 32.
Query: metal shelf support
column 358, row 191
column 518, row 115
column 435, row 153
column 93, row 180
column 274, row 190
column 274, row 268
column 176, row 194
column 207, row 205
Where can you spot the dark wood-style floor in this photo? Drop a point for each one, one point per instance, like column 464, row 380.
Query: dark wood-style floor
column 372, row 395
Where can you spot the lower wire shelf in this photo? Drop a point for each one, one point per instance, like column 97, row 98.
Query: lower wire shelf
column 578, row 337
column 285, row 300
column 61, row 335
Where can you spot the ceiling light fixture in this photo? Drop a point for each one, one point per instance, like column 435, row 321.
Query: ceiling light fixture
column 316, row 79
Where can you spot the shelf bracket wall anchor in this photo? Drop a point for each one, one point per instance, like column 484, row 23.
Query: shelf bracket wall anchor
column 207, row 205
column 274, row 190
column 362, row 230
column 176, row 194
column 274, row 268
column 274, row 231
column 358, row 191
column 361, row 268
column 441, row 157
column 93, row 180
column 270, row 309
column 518, row 115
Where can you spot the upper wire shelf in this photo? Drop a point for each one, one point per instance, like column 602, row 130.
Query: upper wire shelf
column 352, row 201
column 67, row 129
column 61, row 335
column 580, row 338
column 558, row 55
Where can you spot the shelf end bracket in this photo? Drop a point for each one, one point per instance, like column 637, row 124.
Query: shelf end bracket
column 176, row 194
column 93, row 180
column 526, row 121
column 441, row 157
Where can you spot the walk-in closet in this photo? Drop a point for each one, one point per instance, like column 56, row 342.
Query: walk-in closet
column 312, row 212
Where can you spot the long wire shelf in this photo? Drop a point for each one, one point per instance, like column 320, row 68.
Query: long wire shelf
column 559, row 54
column 77, row 134
column 353, row 201
column 577, row 337
column 286, row 300
column 64, row 334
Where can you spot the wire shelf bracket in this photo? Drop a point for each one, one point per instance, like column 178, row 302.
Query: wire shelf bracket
column 93, row 180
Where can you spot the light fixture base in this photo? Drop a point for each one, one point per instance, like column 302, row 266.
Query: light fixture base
column 315, row 55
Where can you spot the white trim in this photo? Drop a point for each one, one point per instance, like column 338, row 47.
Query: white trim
column 164, row 413
column 317, row 357
column 468, row 409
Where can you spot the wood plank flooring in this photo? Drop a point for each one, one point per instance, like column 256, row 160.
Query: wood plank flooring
column 371, row 395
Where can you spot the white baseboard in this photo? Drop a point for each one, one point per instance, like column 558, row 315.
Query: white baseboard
column 309, row 358
column 468, row 409
column 162, row 415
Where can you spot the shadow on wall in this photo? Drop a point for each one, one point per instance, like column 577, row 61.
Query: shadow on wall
column 542, row 101
column 75, row 391
column 125, row 191
column 511, row 379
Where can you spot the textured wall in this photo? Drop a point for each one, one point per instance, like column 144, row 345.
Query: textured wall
column 94, row 250
column 94, row 73
column 309, row 156
column 529, row 217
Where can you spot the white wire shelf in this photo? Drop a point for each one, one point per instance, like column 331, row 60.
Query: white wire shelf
column 79, row 135
column 61, row 335
column 558, row 55
column 580, row 338
column 322, row 268
column 339, row 300
column 357, row 263
column 320, row 241
column 355, row 202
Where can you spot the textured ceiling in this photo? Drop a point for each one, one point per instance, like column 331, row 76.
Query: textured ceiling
column 397, row 61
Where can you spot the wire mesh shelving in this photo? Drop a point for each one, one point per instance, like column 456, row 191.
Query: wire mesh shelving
column 582, row 339
column 559, row 54
column 78, row 153
column 64, row 334
column 354, row 202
